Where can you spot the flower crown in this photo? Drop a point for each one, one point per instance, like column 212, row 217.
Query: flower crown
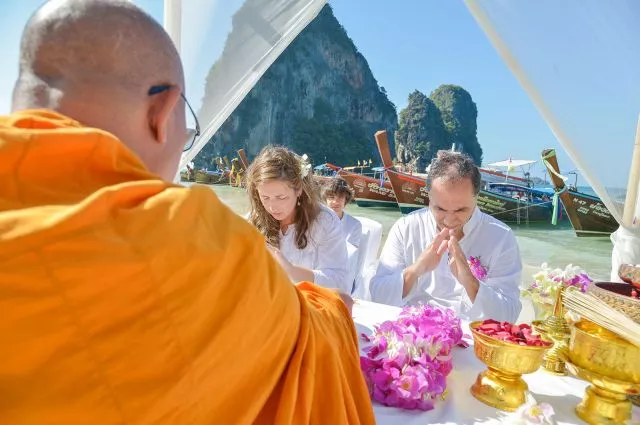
column 305, row 167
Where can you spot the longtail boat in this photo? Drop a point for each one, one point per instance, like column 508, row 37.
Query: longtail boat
column 212, row 177
column 188, row 174
column 368, row 190
column 239, row 167
column 237, row 173
column 244, row 161
column 587, row 214
column 218, row 176
column 491, row 175
column 507, row 202
column 324, row 173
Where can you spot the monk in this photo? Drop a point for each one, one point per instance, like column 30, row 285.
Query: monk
column 126, row 299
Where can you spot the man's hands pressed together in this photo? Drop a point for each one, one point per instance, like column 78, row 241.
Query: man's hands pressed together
column 427, row 261
column 445, row 241
column 460, row 268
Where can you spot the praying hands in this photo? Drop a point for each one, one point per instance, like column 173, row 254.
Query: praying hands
column 460, row 268
column 445, row 241
column 427, row 261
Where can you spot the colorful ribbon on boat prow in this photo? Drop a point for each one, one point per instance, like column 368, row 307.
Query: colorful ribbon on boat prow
column 555, row 203
column 556, row 192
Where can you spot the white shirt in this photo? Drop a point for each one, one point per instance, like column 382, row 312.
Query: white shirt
column 325, row 253
column 352, row 229
column 485, row 237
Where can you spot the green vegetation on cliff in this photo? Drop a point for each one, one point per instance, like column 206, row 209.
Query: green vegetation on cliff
column 318, row 98
column 429, row 124
column 459, row 115
column 321, row 98
column 421, row 132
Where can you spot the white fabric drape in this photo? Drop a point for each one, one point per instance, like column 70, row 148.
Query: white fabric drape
column 578, row 61
column 231, row 44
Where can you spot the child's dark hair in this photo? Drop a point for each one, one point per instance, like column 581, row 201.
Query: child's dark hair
column 337, row 187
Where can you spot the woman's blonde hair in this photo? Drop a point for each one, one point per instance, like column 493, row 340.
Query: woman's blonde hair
column 279, row 163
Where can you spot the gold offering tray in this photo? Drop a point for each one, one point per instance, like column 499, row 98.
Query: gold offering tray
column 622, row 387
column 606, row 401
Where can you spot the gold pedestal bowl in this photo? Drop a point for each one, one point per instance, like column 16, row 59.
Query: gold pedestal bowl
column 612, row 366
column 501, row 385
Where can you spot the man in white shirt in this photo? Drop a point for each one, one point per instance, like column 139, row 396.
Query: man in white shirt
column 427, row 253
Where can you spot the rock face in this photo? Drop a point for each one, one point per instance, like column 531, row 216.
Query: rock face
column 459, row 115
column 318, row 98
column 429, row 124
column 421, row 132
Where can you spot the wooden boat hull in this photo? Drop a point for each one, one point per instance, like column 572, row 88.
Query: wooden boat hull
column 595, row 218
column 413, row 196
column 367, row 191
column 187, row 176
column 587, row 214
column 411, row 193
column 207, row 178
column 238, row 180
column 322, row 180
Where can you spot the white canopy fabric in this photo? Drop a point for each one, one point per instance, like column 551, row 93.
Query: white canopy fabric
column 229, row 66
column 578, row 62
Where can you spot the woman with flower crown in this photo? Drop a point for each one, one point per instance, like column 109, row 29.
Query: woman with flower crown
column 304, row 236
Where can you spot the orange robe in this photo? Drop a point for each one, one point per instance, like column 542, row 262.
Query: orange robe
column 128, row 300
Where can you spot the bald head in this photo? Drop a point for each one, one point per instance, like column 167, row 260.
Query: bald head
column 95, row 61
column 84, row 43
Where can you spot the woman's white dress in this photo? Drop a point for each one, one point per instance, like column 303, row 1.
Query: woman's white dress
column 325, row 253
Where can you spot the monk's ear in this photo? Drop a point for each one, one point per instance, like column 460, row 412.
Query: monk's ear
column 161, row 109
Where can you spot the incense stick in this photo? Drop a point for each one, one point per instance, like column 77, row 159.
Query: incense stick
column 600, row 313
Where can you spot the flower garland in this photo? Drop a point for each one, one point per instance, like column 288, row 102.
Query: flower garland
column 407, row 360
column 547, row 281
column 477, row 269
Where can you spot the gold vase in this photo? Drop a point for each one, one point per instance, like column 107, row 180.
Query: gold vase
column 501, row 385
column 556, row 329
column 611, row 365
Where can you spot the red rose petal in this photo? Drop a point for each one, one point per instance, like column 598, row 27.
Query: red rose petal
column 517, row 334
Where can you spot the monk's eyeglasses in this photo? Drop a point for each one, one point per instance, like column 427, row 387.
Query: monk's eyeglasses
column 193, row 128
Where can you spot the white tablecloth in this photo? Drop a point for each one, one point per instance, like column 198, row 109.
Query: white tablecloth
column 460, row 407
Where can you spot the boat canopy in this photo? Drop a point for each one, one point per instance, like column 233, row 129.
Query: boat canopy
column 512, row 163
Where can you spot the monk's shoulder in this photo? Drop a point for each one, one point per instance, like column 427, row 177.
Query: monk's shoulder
column 200, row 208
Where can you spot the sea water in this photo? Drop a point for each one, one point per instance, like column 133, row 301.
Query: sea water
column 539, row 243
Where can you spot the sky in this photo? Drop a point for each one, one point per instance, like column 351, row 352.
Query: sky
column 416, row 44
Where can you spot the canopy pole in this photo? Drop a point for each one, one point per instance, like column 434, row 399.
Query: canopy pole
column 173, row 20
column 633, row 184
